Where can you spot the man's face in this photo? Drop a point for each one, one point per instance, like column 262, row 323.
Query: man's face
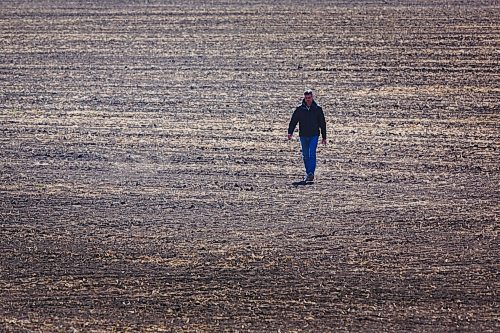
column 309, row 99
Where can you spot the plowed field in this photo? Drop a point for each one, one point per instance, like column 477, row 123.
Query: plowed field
column 146, row 183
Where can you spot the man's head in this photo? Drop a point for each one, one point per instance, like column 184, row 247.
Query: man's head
column 308, row 96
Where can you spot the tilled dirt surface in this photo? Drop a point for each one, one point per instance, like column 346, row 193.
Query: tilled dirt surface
column 146, row 183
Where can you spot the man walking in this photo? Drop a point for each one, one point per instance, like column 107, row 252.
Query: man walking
column 312, row 123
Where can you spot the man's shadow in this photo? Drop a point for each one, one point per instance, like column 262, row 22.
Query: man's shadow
column 302, row 183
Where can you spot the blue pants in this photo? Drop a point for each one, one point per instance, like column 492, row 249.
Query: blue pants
column 309, row 145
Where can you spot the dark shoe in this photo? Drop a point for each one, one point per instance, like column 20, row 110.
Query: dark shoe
column 310, row 177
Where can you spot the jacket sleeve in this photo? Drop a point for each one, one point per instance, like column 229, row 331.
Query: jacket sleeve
column 322, row 123
column 293, row 122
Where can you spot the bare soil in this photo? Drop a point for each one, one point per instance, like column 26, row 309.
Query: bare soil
column 146, row 183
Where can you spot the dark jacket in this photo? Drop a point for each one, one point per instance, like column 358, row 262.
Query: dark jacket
column 311, row 121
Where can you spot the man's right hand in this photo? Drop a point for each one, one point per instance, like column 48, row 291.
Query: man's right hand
column 290, row 136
